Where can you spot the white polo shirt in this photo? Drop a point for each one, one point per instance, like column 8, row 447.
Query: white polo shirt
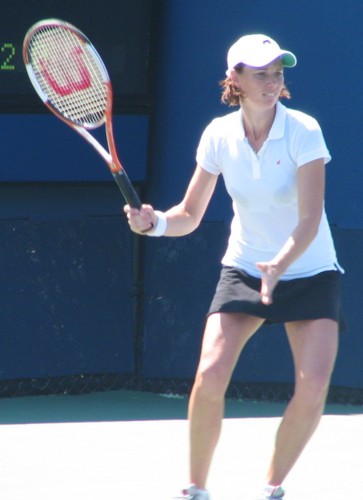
column 263, row 189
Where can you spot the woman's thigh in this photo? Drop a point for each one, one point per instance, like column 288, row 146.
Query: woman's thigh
column 314, row 345
column 224, row 337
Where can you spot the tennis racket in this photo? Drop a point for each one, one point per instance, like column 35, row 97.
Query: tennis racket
column 71, row 79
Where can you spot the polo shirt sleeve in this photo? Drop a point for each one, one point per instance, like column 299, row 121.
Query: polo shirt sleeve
column 208, row 148
column 308, row 143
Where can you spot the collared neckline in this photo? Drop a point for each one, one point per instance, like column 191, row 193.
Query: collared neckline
column 278, row 126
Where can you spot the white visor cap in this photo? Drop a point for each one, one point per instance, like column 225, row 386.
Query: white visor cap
column 257, row 51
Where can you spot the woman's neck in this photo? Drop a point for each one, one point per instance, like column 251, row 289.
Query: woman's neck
column 257, row 126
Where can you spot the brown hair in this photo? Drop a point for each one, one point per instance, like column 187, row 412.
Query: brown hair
column 233, row 96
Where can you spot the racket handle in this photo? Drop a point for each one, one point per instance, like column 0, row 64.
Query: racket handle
column 127, row 189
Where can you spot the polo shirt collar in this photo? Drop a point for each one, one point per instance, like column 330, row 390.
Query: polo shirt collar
column 278, row 126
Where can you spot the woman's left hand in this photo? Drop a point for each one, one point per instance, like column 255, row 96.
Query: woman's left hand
column 270, row 277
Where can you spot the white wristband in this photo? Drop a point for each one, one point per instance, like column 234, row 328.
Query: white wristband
column 161, row 224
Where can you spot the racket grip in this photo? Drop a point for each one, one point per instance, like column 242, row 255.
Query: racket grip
column 127, row 189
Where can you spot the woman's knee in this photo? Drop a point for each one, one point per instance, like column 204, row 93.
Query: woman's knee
column 211, row 382
column 312, row 390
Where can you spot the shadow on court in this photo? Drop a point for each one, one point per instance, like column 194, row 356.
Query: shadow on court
column 114, row 406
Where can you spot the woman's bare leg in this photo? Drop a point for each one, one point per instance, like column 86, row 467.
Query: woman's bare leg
column 314, row 346
column 224, row 338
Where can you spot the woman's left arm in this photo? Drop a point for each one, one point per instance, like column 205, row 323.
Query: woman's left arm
column 310, row 193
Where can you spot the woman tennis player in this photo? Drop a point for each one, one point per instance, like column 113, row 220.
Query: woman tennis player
column 280, row 264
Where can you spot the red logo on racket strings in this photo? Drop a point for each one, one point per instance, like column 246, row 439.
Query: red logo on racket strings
column 70, row 85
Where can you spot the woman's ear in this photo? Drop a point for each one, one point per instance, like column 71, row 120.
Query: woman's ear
column 235, row 80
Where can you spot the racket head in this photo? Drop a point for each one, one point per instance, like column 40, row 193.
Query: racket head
column 68, row 73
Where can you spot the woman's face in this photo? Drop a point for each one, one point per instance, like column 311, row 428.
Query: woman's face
column 260, row 86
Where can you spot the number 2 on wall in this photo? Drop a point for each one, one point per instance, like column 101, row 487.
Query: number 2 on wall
column 8, row 50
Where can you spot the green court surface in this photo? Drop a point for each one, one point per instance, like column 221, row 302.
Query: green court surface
column 122, row 445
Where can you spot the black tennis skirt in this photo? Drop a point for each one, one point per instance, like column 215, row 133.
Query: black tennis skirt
column 314, row 297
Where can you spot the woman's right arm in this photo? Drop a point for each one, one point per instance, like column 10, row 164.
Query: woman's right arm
column 182, row 218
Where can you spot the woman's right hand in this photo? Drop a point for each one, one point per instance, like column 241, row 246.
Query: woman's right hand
column 141, row 221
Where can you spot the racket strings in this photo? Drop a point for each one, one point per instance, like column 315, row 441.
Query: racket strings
column 70, row 75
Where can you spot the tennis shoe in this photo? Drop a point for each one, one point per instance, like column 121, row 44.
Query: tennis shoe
column 271, row 493
column 193, row 493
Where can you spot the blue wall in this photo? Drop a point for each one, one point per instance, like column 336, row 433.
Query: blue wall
column 67, row 308
column 67, row 281
column 40, row 148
